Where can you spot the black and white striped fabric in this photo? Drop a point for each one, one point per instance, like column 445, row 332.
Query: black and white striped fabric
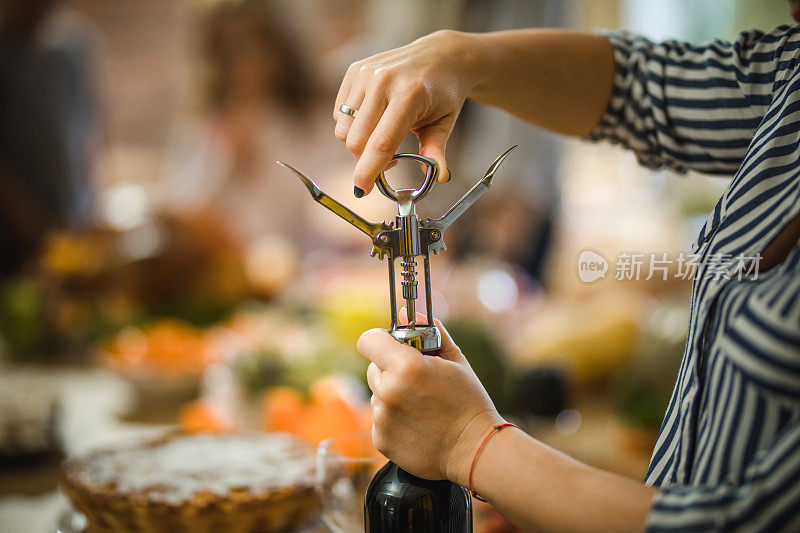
column 728, row 454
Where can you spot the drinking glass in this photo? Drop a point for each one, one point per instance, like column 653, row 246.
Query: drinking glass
column 345, row 466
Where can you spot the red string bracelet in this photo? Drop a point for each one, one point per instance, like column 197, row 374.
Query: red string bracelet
column 494, row 430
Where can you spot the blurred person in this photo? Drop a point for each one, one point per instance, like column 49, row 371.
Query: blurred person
column 258, row 109
column 48, row 125
column 728, row 454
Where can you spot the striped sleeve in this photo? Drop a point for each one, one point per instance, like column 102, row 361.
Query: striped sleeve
column 684, row 106
column 766, row 499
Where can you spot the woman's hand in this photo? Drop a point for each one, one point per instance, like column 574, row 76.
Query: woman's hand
column 419, row 87
column 429, row 413
column 554, row 79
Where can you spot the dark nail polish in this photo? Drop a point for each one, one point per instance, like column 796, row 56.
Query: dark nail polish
column 358, row 191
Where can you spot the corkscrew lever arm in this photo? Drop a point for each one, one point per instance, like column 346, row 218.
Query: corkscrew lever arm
column 469, row 198
column 369, row 228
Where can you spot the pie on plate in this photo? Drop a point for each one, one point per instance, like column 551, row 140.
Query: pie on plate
column 245, row 483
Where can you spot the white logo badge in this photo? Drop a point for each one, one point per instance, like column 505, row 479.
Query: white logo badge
column 591, row 266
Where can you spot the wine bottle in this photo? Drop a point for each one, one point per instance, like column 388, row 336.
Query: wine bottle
column 398, row 502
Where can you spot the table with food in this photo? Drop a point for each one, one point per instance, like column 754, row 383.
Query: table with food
column 259, row 420
column 505, row 289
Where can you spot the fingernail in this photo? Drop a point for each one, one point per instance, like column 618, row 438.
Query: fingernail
column 449, row 175
column 358, row 191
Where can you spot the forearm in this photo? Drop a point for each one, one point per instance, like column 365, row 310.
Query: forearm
column 540, row 489
column 554, row 79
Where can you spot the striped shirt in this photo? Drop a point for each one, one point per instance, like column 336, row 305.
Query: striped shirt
column 728, row 453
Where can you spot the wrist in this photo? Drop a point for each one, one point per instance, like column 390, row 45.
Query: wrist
column 466, row 446
column 481, row 59
column 464, row 53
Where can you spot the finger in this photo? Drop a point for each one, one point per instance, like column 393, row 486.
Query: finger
column 383, row 143
column 382, row 349
column 363, row 125
column 344, row 89
column 433, row 142
column 338, row 102
column 373, row 378
column 353, row 100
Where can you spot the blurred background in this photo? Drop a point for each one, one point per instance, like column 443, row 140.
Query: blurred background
column 158, row 269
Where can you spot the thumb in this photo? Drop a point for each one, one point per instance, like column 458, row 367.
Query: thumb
column 432, row 144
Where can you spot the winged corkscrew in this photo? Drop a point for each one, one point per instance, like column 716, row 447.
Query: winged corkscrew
column 410, row 240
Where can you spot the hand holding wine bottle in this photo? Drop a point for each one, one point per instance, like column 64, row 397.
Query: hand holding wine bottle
column 429, row 413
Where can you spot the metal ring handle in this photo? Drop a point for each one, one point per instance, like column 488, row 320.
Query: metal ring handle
column 431, row 173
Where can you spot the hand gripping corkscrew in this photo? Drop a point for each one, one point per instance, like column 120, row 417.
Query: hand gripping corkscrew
column 408, row 238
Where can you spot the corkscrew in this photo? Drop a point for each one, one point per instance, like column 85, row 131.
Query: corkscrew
column 408, row 238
